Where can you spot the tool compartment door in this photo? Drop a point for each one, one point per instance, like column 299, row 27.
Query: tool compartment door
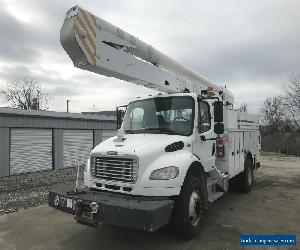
column 241, row 155
column 236, row 152
column 231, row 156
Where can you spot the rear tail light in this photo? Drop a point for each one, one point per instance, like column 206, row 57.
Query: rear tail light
column 220, row 148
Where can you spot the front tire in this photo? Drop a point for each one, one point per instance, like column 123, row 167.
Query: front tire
column 190, row 206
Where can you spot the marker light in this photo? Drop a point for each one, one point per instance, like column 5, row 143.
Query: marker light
column 210, row 89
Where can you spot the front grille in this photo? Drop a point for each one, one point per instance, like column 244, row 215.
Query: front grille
column 114, row 169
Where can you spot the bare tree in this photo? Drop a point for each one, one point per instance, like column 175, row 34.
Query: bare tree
column 26, row 93
column 272, row 113
column 243, row 107
column 292, row 98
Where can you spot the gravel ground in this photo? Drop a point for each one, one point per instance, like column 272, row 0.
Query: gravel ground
column 23, row 191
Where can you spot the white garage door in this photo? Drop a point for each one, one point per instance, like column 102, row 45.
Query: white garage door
column 77, row 146
column 30, row 150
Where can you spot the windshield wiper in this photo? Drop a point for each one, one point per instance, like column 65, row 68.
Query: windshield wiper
column 128, row 131
column 158, row 130
column 149, row 129
column 167, row 131
column 141, row 130
column 163, row 130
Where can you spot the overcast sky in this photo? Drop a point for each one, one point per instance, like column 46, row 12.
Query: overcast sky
column 251, row 46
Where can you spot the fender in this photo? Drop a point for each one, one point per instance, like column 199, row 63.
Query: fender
column 182, row 159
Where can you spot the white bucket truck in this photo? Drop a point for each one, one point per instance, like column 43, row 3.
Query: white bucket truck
column 175, row 152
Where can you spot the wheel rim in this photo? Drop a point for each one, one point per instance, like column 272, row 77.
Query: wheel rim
column 249, row 177
column 194, row 208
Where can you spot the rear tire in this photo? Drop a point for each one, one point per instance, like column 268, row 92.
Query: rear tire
column 190, row 206
column 246, row 178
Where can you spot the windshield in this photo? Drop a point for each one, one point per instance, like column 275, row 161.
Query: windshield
column 160, row 115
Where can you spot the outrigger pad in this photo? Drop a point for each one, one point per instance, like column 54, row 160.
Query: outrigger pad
column 135, row 212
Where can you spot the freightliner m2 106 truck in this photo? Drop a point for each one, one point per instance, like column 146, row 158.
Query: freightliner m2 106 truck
column 174, row 154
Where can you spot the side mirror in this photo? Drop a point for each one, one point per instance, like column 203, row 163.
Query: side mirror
column 120, row 115
column 218, row 111
column 204, row 127
column 119, row 119
column 219, row 128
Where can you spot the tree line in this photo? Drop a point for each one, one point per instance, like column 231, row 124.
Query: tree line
column 282, row 113
column 279, row 120
column 25, row 93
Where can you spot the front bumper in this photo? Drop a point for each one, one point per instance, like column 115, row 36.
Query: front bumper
column 135, row 212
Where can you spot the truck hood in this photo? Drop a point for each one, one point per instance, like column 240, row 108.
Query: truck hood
column 137, row 144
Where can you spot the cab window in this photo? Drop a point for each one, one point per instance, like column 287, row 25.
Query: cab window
column 204, row 120
column 136, row 118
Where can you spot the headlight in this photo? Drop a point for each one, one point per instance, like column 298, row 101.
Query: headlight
column 164, row 173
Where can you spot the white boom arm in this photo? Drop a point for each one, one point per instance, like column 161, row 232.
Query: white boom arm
column 94, row 44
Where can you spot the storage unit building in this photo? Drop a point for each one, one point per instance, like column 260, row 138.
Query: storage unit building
column 43, row 140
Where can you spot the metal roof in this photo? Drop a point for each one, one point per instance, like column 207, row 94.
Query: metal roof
column 54, row 114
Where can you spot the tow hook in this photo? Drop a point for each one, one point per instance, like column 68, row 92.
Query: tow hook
column 86, row 213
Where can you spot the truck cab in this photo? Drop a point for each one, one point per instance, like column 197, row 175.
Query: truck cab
column 160, row 138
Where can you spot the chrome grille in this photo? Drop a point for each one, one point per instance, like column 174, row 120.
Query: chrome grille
column 114, row 169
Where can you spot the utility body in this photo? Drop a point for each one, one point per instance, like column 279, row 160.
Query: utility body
column 174, row 153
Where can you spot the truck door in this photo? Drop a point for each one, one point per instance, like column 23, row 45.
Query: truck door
column 205, row 150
